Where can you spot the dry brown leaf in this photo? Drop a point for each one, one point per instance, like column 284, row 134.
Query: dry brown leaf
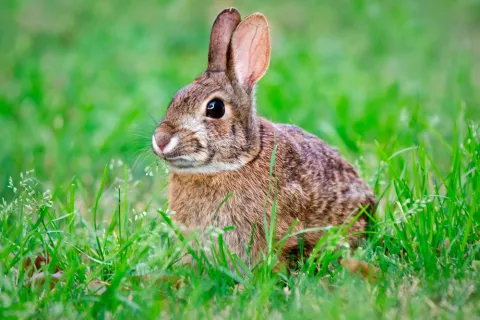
column 97, row 287
column 32, row 265
column 476, row 265
column 444, row 245
column 357, row 266
column 175, row 280
column 239, row 288
column 39, row 279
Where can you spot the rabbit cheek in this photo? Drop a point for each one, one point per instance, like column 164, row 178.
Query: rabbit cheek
column 193, row 135
column 192, row 146
column 220, row 138
column 218, row 129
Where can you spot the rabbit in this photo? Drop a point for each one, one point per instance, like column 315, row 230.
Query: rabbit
column 219, row 154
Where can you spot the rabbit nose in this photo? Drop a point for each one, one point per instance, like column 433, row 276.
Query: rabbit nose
column 161, row 139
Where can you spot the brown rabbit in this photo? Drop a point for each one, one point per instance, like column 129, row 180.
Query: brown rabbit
column 216, row 145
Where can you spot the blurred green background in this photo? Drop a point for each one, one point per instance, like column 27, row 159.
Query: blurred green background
column 83, row 82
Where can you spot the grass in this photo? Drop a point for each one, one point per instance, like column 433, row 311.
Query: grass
column 393, row 85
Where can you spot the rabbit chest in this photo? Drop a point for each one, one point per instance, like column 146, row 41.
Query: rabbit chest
column 241, row 199
column 221, row 201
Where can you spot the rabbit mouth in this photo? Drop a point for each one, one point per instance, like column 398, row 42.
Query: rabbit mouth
column 181, row 162
column 186, row 155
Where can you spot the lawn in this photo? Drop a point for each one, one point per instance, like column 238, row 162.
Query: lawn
column 394, row 85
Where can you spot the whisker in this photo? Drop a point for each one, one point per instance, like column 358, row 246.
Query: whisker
column 142, row 150
column 153, row 119
column 142, row 158
column 141, row 136
column 143, row 143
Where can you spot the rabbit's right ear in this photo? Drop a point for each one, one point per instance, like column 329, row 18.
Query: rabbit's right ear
column 222, row 31
column 250, row 50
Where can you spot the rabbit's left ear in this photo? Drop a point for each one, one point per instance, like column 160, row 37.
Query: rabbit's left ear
column 250, row 50
column 220, row 36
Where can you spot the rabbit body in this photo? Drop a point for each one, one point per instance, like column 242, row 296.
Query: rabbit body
column 220, row 153
column 314, row 184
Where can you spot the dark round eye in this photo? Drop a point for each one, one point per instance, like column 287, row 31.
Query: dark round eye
column 215, row 108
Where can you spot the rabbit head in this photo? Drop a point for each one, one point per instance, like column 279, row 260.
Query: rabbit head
column 210, row 125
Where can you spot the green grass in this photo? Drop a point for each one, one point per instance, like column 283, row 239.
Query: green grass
column 393, row 84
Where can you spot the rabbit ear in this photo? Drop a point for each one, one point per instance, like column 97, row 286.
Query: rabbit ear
column 250, row 50
column 222, row 31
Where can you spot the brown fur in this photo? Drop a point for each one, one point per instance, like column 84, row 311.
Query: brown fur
column 314, row 183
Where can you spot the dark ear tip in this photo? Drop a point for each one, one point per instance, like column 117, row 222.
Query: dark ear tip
column 231, row 12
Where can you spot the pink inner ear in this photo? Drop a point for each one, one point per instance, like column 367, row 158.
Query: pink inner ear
column 251, row 47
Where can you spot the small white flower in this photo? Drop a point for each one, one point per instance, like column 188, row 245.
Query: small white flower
column 404, row 116
column 148, row 171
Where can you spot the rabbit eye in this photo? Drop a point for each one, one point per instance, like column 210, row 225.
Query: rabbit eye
column 215, row 108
